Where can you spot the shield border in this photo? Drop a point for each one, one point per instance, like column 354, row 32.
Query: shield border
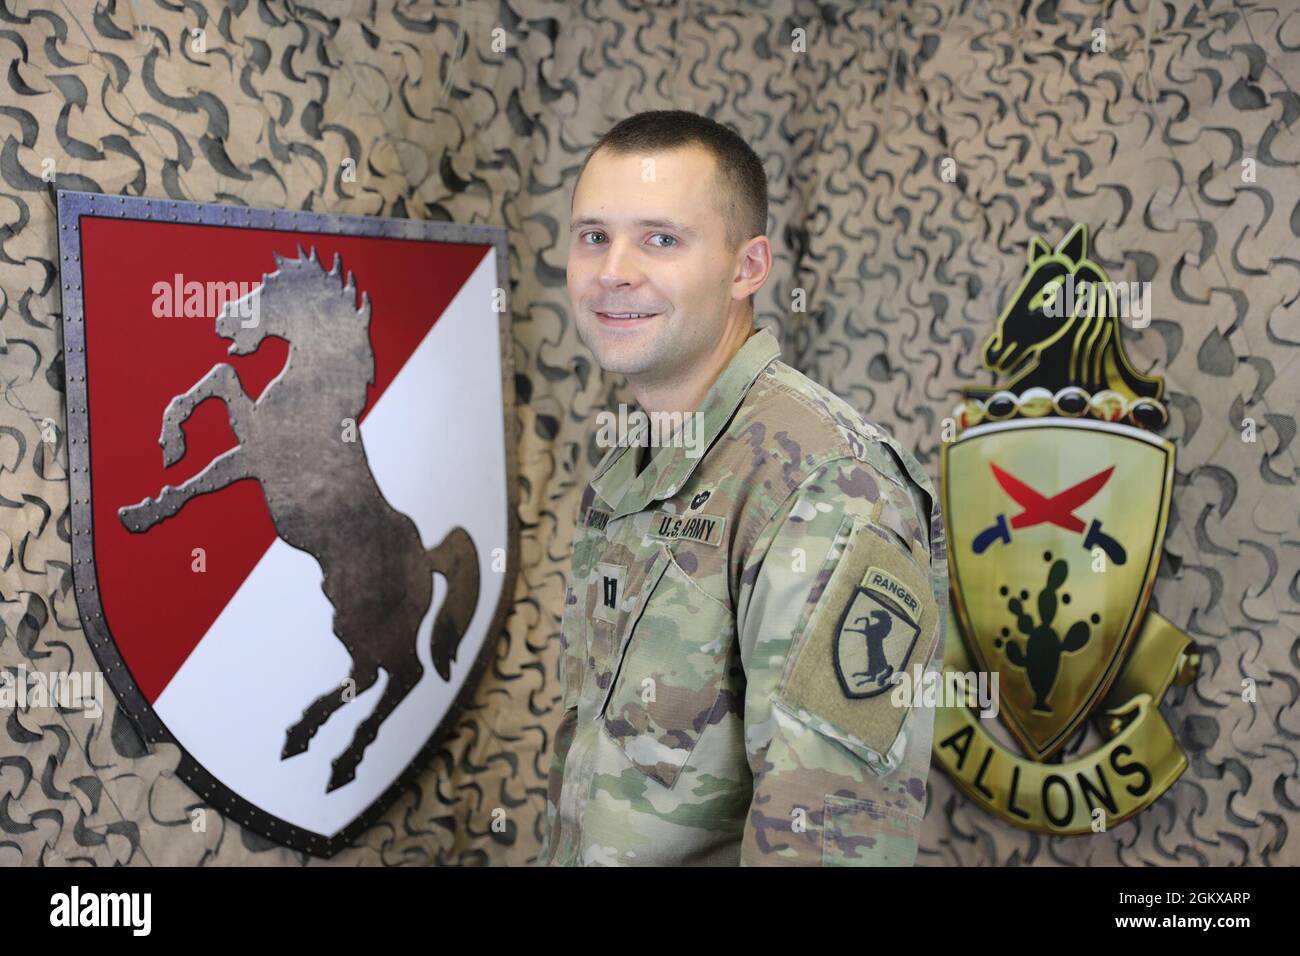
column 72, row 206
column 839, row 631
column 1114, row 665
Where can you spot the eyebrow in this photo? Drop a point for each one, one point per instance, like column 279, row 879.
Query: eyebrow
column 644, row 223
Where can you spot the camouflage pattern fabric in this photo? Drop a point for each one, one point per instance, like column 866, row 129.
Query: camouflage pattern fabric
column 706, row 721
column 416, row 110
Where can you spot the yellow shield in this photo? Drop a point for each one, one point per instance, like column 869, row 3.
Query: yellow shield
column 1054, row 532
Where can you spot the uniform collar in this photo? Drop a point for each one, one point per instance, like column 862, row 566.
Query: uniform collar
column 615, row 478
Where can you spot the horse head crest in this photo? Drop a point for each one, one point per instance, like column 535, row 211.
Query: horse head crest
column 1061, row 329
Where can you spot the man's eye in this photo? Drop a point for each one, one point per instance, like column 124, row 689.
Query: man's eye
column 585, row 235
column 672, row 240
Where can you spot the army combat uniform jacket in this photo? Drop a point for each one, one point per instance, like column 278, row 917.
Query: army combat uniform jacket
column 732, row 632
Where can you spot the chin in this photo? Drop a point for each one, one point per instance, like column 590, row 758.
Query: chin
column 608, row 354
column 618, row 364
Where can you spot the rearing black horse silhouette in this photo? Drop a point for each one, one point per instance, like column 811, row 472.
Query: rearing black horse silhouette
column 878, row 667
column 301, row 442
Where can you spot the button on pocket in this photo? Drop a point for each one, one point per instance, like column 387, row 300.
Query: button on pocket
column 670, row 675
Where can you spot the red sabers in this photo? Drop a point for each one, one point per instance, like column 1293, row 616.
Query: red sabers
column 1059, row 508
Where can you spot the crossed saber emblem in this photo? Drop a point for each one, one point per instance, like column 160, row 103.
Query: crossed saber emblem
column 1058, row 510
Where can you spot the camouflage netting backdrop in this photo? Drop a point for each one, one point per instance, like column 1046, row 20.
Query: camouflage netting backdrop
column 481, row 114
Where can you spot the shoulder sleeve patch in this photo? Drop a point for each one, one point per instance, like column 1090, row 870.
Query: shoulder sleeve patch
column 874, row 619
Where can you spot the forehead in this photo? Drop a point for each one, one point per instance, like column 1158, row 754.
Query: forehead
column 622, row 188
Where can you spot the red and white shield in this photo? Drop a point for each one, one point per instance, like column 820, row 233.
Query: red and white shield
column 291, row 479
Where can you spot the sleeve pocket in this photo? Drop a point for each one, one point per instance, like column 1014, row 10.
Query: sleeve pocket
column 860, row 832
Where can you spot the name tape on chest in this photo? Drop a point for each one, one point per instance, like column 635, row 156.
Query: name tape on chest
column 595, row 518
column 701, row 529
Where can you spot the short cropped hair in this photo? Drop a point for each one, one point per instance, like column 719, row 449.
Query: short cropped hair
column 740, row 171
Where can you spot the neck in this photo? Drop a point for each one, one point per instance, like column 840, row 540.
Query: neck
column 685, row 392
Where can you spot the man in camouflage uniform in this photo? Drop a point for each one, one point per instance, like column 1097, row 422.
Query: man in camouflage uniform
column 735, row 621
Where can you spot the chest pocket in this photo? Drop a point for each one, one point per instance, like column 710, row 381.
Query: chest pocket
column 668, row 688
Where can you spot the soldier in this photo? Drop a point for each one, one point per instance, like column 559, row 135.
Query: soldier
column 746, row 593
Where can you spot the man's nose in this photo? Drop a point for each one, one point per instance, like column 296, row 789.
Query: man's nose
column 619, row 267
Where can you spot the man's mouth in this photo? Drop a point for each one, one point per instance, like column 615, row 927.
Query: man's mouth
column 624, row 319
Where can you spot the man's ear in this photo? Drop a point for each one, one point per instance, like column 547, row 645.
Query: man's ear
column 755, row 263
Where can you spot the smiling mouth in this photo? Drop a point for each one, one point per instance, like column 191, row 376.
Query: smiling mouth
column 625, row 318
